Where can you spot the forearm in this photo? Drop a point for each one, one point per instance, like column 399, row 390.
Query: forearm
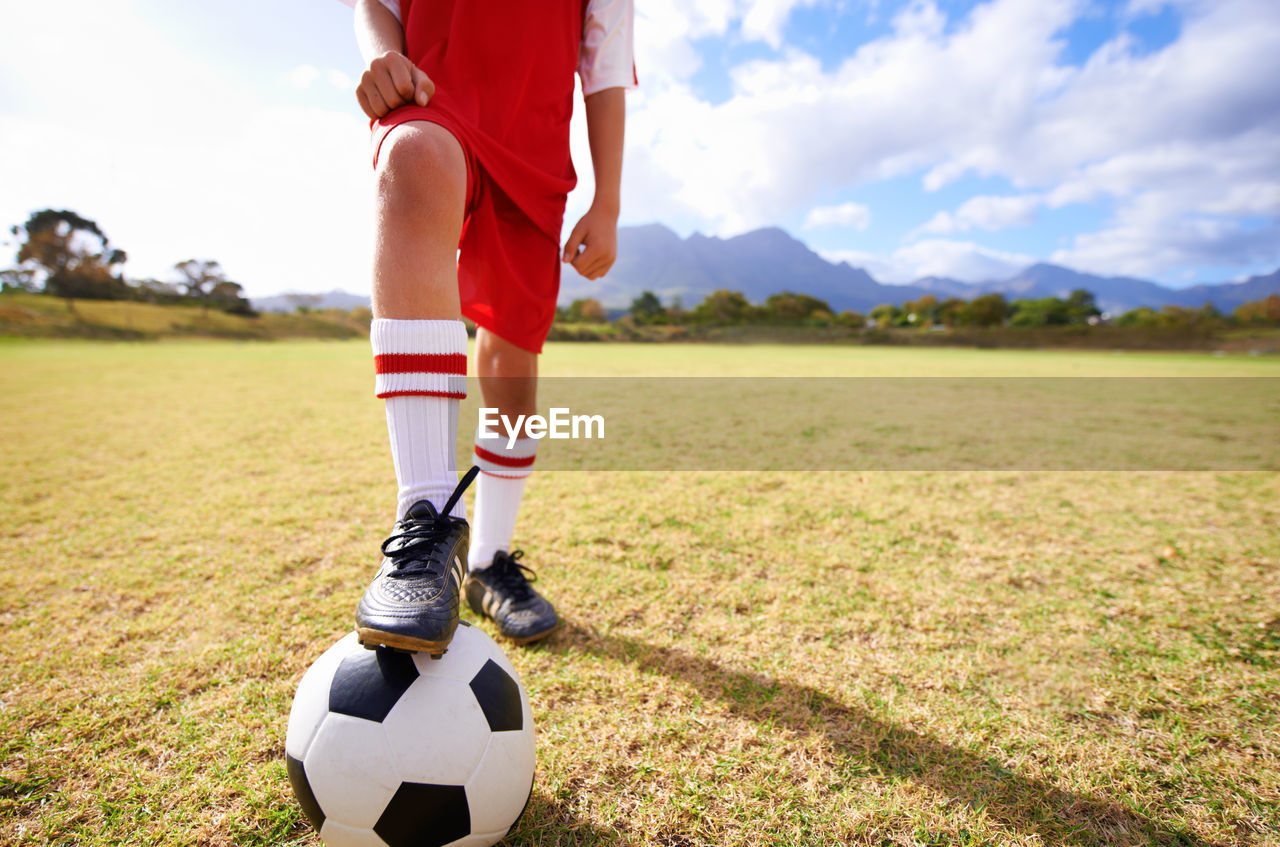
column 606, row 123
column 377, row 30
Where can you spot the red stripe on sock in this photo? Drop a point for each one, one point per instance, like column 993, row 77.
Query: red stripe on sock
column 501, row 475
column 505, row 461
column 421, row 363
column 452, row 395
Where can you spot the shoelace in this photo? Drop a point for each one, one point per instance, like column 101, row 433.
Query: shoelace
column 419, row 536
column 513, row 576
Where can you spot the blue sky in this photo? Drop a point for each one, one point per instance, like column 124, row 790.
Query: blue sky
column 953, row 137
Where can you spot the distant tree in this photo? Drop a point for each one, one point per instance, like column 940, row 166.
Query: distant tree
column 155, row 291
column 73, row 256
column 922, row 312
column 1078, row 308
column 793, row 309
column 584, row 310
column 229, row 297
column 820, row 318
column 1206, row 317
column 646, row 308
column 950, row 311
column 1045, row 311
column 885, row 315
column 1081, row 307
column 200, row 277
column 851, row 319
column 987, row 310
column 675, row 312
column 725, row 308
column 1259, row 312
column 1141, row 316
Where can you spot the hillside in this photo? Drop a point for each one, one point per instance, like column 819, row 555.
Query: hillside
column 35, row 315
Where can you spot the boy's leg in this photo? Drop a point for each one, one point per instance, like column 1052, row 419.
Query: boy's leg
column 498, row 586
column 420, row 346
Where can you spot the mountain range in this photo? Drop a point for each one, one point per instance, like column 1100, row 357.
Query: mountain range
column 767, row 261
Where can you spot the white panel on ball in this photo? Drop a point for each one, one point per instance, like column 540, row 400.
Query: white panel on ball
column 498, row 790
column 311, row 702
column 439, row 731
column 351, row 770
column 467, row 653
column 336, row 835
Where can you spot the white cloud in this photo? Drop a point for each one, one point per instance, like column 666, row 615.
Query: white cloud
column 986, row 212
column 792, row 129
column 962, row 260
column 1138, row 8
column 985, row 95
column 883, row 269
column 1179, row 204
column 853, row 215
column 340, row 80
column 765, row 19
column 303, row 75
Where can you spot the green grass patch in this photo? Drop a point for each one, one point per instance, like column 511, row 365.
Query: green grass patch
column 878, row 658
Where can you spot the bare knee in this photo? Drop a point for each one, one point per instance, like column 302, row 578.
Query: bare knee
column 421, row 165
column 495, row 356
column 508, row 374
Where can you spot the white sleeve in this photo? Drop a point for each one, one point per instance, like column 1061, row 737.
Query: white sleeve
column 393, row 6
column 607, row 56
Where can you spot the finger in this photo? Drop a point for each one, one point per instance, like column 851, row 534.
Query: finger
column 423, row 88
column 601, row 267
column 388, row 91
column 369, row 96
column 364, row 104
column 586, row 260
column 588, row 255
column 597, row 269
column 402, row 79
column 576, row 238
column 379, row 105
column 601, row 259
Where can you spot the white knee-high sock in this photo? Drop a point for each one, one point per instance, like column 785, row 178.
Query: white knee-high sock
column 498, row 491
column 422, row 374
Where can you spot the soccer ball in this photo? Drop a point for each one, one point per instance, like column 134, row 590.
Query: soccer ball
column 387, row 749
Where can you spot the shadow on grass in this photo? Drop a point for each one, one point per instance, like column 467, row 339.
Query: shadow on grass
column 1030, row 805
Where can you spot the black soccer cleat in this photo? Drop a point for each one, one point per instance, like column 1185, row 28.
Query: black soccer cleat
column 502, row 592
column 413, row 602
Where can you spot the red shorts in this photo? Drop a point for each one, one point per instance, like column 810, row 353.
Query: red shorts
column 508, row 268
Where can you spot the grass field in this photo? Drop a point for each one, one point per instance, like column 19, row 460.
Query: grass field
column 880, row 658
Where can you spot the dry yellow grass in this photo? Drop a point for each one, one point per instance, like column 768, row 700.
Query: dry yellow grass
column 750, row 658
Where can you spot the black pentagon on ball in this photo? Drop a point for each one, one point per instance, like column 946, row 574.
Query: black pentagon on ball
column 421, row 815
column 369, row 682
column 499, row 696
column 302, row 790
